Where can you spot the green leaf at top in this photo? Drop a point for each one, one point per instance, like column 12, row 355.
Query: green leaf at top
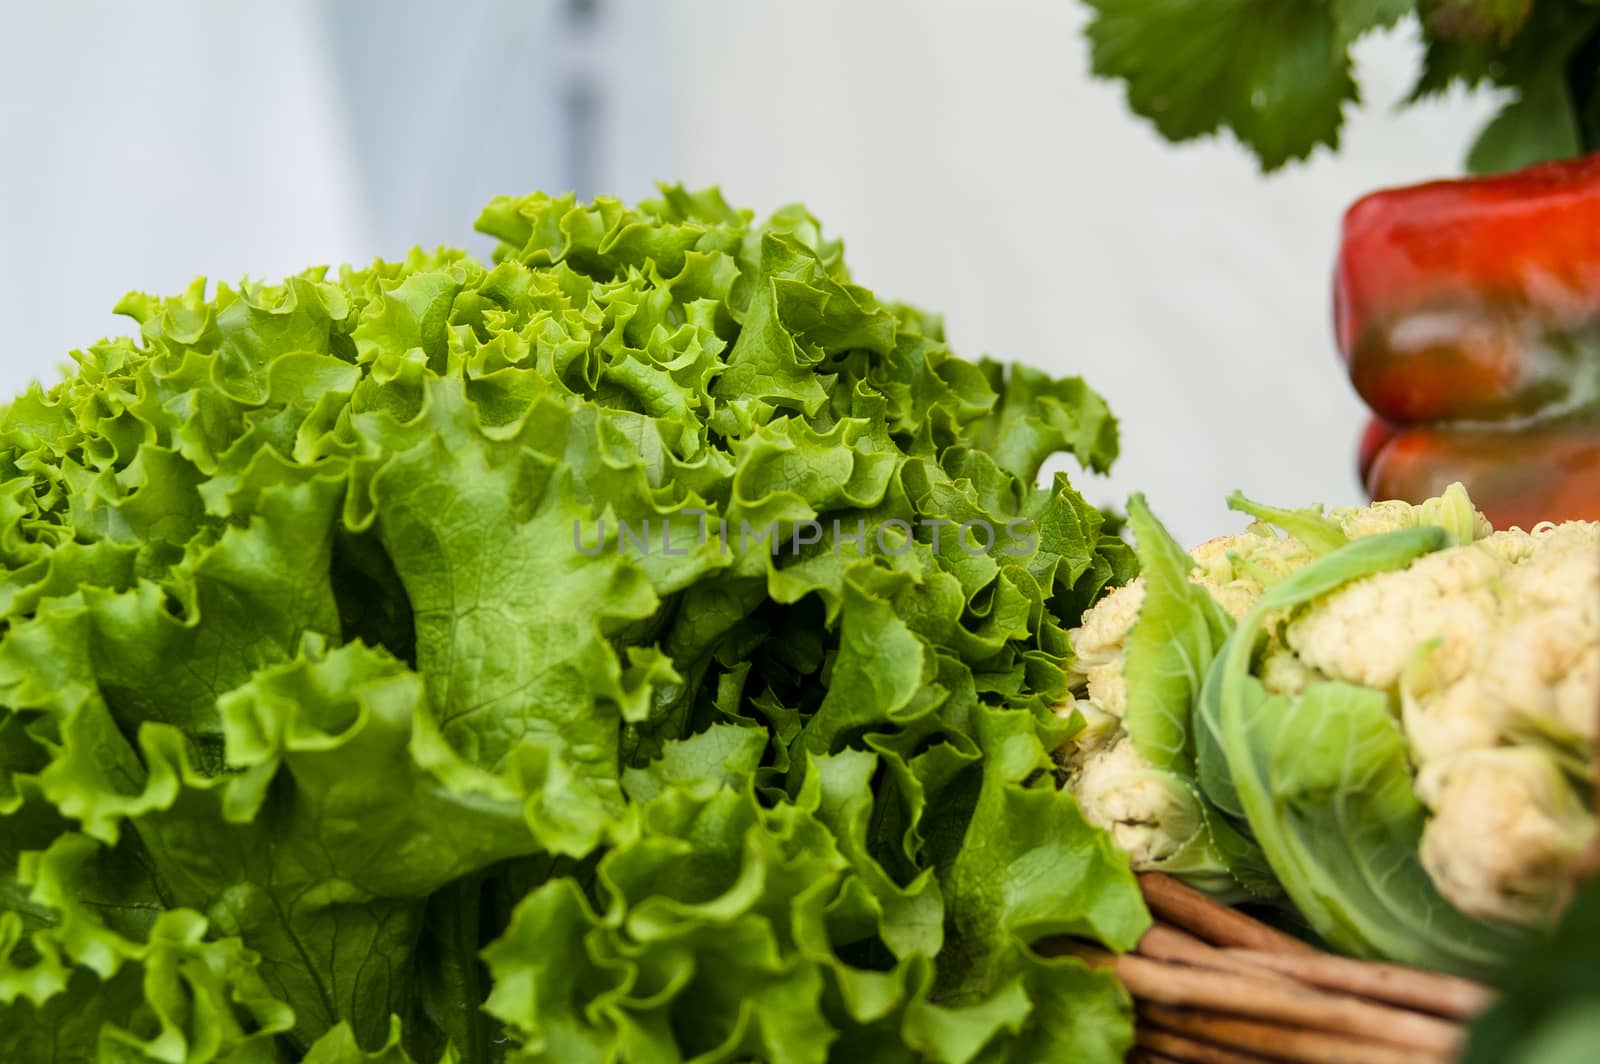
column 1539, row 125
column 1276, row 74
column 1352, row 18
column 1547, row 63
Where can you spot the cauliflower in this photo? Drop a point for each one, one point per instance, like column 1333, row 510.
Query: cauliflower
column 1365, row 632
column 1488, row 651
column 1097, row 653
column 1506, row 830
column 1493, row 649
column 1147, row 814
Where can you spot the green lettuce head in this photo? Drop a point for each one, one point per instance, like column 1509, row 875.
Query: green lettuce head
column 387, row 674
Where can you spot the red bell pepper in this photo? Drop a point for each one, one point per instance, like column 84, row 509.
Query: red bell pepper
column 1539, row 473
column 1468, row 315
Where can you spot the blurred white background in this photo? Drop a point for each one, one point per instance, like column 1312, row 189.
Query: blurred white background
column 962, row 150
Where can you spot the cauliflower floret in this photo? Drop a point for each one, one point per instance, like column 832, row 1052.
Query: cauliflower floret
column 1561, row 568
column 1505, row 830
column 1259, row 553
column 1580, row 536
column 1230, row 567
column 1097, row 650
column 1365, row 632
column 1385, row 516
column 1453, row 509
column 1107, row 688
column 1236, row 597
column 1282, row 672
column 1100, row 730
column 1149, row 813
column 1546, row 542
column 1441, row 720
column 1104, row 628
column 1576, row 694
column 1215, row 558
column 1098, row 643
column 1540, row 676
column 1212, row 562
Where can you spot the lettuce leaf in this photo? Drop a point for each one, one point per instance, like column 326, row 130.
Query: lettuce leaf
column 388, row 673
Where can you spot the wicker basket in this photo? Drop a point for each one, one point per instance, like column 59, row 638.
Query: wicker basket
column 1212, row 985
